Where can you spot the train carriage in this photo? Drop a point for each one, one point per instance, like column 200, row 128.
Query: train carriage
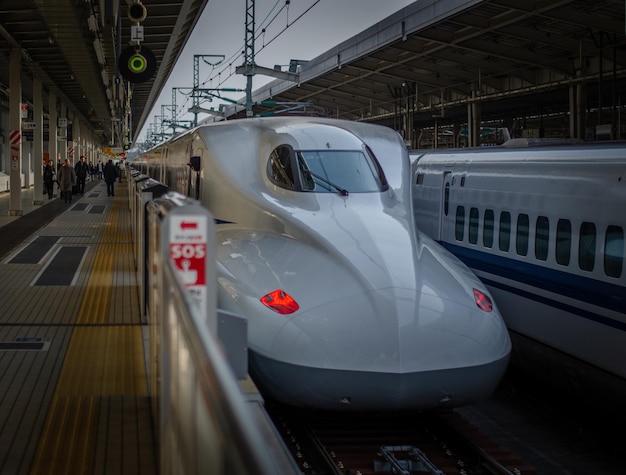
column 543, row 227
column 348, row 305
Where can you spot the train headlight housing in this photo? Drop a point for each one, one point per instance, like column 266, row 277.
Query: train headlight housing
column 483, row 301
column 280, row 301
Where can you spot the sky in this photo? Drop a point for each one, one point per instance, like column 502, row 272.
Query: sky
column 285, row 30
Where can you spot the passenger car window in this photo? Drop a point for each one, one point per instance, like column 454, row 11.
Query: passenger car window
column 488, row 228
column 521, row 238
column 473, row 225
column 542, row 237
column 459, row 229
column 587, row 246
column 504, row 237
column 563, row 241
column 614, row 251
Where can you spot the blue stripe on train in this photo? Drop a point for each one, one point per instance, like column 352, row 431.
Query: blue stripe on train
column 591, row 291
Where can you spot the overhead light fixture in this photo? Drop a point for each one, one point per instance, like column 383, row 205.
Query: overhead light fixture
column 92, row 23
column 97, row 45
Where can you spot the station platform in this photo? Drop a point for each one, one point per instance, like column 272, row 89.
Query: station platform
column 72, row 368
column 73, row 372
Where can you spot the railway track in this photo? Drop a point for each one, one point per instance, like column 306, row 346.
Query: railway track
column 524, row 428
column 441, row 442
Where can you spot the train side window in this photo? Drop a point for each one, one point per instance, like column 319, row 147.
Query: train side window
column 280, row 167
column 521, row 235
column 542, row 238
column 563, row 241
column 614, row 251
column 504, row 236
column 488, row 228
column 473, row 225
column 446, row 200
column 587, row 246
column 459, row 230
column 419, row 179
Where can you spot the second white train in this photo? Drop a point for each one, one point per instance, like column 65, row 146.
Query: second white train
column 543, row 227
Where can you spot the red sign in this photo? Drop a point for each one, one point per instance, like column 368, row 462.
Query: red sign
column 187, row 225
column 190, row 260
column 188, row 240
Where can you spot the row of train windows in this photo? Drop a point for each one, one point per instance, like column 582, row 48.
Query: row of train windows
column 588, row 237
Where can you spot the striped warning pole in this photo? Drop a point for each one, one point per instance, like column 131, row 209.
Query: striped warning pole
column 15, row 142
column 15, row 139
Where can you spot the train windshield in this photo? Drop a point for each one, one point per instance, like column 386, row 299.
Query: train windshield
column 332, row 171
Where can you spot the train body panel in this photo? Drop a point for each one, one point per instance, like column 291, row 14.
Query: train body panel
column 543, row 227
column 320, row 211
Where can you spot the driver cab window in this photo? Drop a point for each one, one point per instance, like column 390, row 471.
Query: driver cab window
column 326, row 171
column 280, row 167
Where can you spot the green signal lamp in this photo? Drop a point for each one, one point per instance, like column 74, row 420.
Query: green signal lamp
column 137, row 64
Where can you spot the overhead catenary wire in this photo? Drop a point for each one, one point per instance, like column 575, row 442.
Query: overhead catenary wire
column 223, row 74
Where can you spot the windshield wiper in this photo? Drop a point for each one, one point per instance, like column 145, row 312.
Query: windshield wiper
column 341, row 190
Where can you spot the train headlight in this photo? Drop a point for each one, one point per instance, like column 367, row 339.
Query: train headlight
column 280, row 301
column 483, row 301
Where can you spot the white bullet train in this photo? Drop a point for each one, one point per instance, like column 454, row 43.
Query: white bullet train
column 348, row 306
column 543, row 227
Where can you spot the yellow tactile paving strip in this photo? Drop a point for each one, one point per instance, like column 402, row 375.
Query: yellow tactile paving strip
column 101, row 393
column 96, row 302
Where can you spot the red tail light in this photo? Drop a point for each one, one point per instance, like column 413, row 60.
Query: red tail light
column 280, row 301
column 483, row 301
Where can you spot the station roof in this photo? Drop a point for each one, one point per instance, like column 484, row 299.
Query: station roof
column 433, row 57
column 72, row 47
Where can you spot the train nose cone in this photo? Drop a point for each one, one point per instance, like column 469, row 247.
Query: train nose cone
column 393, row 330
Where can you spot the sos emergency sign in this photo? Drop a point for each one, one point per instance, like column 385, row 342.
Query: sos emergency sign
column 188, row 251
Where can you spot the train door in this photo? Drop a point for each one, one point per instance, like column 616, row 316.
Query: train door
column 193, row 179
column 445, row 224
column 164, row 153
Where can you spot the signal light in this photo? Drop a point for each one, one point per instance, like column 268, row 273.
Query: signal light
column 137, row 63
column 280, row 301
column 483, row 301
column 137, row 12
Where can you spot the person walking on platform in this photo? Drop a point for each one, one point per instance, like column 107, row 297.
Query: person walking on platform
column 110, row 175
column 118, row 169
column 81, row 169
column 48, row 177
column 67, row 179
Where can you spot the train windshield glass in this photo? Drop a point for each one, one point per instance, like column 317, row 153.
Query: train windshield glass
column 330, row 171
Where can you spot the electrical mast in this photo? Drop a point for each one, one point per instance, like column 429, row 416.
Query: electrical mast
column 249, row 55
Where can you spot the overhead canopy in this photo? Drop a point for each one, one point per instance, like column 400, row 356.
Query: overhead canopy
column 73, row 46
column 436, row 57
column 432, row 58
